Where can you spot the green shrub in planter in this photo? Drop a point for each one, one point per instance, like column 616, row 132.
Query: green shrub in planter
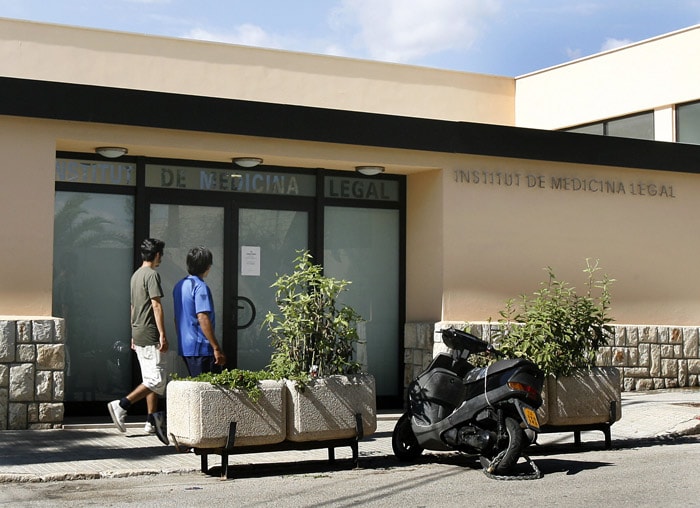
column 313, row 334
column 245, row 380
column 557, row 328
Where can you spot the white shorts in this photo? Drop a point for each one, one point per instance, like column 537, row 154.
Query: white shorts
column 153, row 370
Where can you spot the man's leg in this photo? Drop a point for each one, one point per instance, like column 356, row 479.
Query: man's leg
column 151, row 401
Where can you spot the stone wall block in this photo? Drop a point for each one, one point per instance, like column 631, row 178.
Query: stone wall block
column 26, row 353
column 50, row 413
column 43, row 331
column 667, row 351
column 620, row 334
column 43, row 388
column 51, row 356
column 410, row 335
column 663, row 335
column 647, row 334
column 59, row 326
column 683, row 373
column 669, row 368
column 632, row 334
column 676, row 336
column 644, row 355
column 17, row 416
column 694, row 366
column 22, row 382
column 4, row 375
column 628, row 384
column 4, row 402
column 690, row 343
column 636, row 372
column 655, row 367
column 425, row 336
column 32, row 413
column 8, row 341
column 59, row 385
column 24, row 331
column 617, row 357
column 417, row 357
column 644, row 384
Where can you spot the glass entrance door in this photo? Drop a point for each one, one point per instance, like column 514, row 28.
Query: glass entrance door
column 268, row 241
column 182, row 227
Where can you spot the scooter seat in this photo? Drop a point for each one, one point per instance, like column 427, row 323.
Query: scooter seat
column 495, row 368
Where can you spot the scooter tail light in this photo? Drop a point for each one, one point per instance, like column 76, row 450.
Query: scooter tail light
column 531, row 391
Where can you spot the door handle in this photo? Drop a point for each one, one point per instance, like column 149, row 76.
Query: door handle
column 244, row 302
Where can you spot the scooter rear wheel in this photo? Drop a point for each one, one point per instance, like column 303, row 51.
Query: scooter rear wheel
column 403, row 440
column 513, row 448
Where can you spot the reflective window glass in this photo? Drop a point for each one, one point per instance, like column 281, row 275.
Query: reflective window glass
column 636, row 126
column 688, row 123
column 93, row 253
column 594, row 128
column 361, row 245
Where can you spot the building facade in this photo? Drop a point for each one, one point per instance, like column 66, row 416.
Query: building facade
column 481, row 190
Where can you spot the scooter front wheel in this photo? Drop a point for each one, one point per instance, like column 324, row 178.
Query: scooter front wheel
column 512, row 449
column 403, row 440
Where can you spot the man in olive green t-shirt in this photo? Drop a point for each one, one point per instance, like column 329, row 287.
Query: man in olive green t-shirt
column 148, row 340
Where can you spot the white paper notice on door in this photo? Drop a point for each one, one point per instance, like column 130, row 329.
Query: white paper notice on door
column 250, row 261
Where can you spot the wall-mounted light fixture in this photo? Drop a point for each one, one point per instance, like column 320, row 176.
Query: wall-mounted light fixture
column 111, row 152
column 369, row 170
column 247, row 162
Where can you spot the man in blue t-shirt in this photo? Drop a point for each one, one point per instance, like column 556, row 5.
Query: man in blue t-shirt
column 194, row 317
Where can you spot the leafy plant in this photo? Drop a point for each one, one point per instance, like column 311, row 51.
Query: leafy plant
column 245, row 380
column 557, row 328
column 313, row 334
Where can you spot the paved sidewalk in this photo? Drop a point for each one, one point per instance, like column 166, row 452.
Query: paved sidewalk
column 80, row 451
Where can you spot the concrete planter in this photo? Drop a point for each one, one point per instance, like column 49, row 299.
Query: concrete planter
column 326, row 408
column 199, row 414
column 581, row 399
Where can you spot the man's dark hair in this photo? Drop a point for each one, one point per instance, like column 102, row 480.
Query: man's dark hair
column 199, row 259
column 150, row 247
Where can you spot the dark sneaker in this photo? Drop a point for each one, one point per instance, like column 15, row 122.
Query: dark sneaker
column 118, row 415
column 161, row 427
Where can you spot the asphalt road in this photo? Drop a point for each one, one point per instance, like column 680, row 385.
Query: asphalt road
column 639, row 474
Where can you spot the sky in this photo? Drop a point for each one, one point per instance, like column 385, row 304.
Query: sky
column 500, row 37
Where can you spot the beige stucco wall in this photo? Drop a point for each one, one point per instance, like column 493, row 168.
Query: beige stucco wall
column 133, row 61
column 425, row 240
column 26, row 211
column 499, row 237
column 651, row 74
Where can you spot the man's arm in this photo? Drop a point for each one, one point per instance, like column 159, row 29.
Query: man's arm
column 160, row 323
column 208, row 331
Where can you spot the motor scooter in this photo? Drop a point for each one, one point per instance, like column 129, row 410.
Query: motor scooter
column 487, row 412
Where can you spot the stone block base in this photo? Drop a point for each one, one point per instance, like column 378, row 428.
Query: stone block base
column 326, row 408
column 582, row 398
column 199, row 414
